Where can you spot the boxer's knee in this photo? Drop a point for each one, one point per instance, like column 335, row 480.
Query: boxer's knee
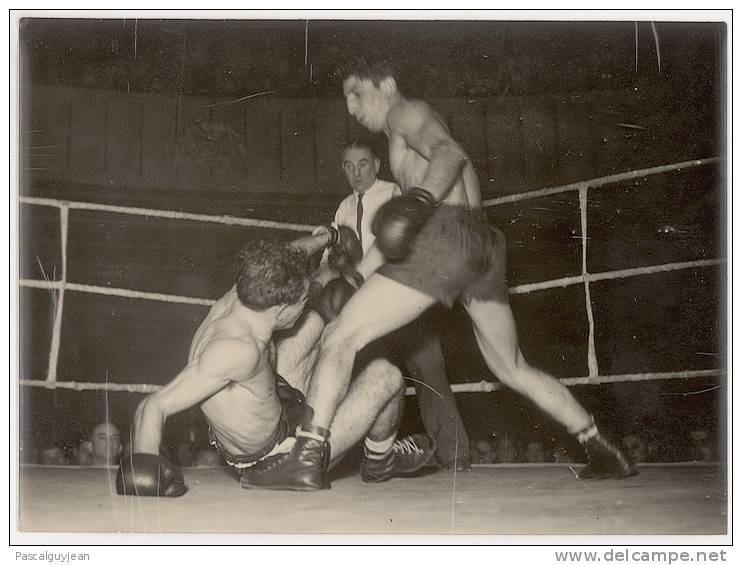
column 388, row 376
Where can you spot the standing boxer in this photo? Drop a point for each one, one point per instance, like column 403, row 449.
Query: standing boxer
column 439, row 248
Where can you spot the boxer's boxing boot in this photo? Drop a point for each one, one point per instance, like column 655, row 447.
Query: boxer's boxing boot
column 604, row 460
column 406, row 456
column 302, row 468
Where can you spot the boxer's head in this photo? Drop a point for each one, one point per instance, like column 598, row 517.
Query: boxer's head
column 374, row 67
column 370, row 90
column 360, row 164
column 273, row 274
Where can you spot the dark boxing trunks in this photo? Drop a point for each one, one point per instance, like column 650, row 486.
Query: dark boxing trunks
column 292, row 404
column 456, row 254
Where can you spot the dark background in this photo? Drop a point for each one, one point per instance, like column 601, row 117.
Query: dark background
column 151, row 113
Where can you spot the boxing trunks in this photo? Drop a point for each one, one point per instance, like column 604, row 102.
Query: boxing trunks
column 456, row 254
column 292, row 404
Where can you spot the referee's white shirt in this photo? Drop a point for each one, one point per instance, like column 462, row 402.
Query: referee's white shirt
column 379, row 193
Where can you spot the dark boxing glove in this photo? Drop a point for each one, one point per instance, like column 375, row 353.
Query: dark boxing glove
column 399, row 220
column 143, row 474
column 333, row 297
column 346, row 251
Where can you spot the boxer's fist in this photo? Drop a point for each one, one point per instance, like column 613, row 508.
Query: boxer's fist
column 143, row 474
column 332, row 298
column 346, row 252
column 399, row 220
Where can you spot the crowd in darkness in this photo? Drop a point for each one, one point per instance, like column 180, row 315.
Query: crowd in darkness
column 104, row 445
column 514, row 447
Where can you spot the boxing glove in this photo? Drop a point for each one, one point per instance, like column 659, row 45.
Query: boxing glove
column 332, row 298
column 399, row 220
column 143, row 474
column 346, row 252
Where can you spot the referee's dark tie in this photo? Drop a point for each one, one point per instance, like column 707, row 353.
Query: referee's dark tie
column 359, row 217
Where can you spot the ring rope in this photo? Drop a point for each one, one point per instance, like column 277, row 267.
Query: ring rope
column 592, row 357
column 485, row 386
column 599, row 181
column 121, row 292
column 612, row 275
column 57, row 328
column 480, row 386
column 514, row 290
column 169, row 214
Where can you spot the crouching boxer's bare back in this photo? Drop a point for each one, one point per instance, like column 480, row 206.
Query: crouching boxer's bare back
column 252, row 391
column 433, row 245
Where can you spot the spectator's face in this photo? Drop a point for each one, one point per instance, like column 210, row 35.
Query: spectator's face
column 369, row 104
column 635, row 447
column 106, row 442
column 52, row 456
column 535, row 452
column 360, row 168
column 702, row 448
column 482, row 452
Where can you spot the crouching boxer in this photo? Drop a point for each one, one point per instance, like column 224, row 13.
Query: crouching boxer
column 251, row 390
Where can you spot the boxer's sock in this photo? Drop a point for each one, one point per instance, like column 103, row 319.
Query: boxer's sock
column 379, row 449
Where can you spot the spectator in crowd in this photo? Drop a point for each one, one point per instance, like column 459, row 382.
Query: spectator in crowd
column 636, row 447
column 52, row 455
column 103, row 446
column 77, row 454
column 535, row 452
column 702, row 446
column 482, row 452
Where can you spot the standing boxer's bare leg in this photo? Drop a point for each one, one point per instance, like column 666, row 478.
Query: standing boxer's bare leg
column 379, row 307
column 496, row 333
column 494, row 327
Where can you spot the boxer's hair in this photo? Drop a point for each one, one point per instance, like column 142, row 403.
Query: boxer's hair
column 373, row 67
column 271, row 273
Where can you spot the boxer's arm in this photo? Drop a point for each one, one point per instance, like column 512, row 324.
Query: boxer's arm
column 372, row 260
column 220, row 363
column 424, row 132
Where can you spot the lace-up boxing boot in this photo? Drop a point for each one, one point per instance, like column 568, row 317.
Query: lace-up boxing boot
column 302, row 468
column 406, row 456
column 604, row 460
